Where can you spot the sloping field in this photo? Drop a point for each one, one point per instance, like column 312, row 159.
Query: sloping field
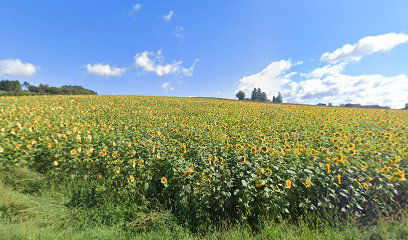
column 210, row 161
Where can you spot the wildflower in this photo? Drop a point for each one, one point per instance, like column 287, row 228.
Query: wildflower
column 400, row 178
column 89, row 151
column 400, row 173
column 55, row 163
column 260, row 184
column 385, row 169
column 308, row 182
column 328, row 168
column 339, row 178
column 184, row 149
column 288, row 184
column 131, row 178
column 370, row 179
column 74, row 151
column 188, row 172
column 260, row 171
column 163, row 180
column 366, row 186
column 103, row 153
column 245, row 160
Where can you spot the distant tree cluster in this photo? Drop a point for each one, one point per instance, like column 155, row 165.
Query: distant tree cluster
column 277, row 99
column 13, row 87
column 258, row 95
column 357, row 105
column 324, row 104
column 10, row 86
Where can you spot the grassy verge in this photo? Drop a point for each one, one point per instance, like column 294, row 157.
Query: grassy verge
column 31, row 210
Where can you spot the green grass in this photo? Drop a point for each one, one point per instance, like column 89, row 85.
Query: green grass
column 30, row 209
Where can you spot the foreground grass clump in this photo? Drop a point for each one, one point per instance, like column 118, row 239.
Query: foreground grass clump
column 42, row 213
column 199, row 162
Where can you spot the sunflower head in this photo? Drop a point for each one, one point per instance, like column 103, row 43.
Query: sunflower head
column 308, row 182
column 163, row 180
column 288, row 184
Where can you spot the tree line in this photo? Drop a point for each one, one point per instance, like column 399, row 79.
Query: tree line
column 259, row 96
column 15, row 88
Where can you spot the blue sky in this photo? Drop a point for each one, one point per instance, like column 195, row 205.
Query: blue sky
column 212, row 48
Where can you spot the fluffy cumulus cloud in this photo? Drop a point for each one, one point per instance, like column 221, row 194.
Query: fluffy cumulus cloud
column 366, row 46
column 105, row 70
column 170, row 15
column 16, row 67
column 154, row 62
column 270, row 80
column 167, row 87
column 338, row 88
column 329, row 83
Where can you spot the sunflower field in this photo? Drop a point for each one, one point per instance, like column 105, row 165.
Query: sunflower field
column 208, row 160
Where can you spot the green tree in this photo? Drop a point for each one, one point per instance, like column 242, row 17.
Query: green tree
column 10, row 86
column 258, row 94
column 240, row 95
column 263, row 97
column 26, row 85
column 279, row 98
column 254, row 95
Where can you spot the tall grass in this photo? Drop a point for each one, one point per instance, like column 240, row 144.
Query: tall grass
column 30, row 208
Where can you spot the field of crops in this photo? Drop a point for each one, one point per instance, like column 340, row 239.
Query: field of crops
column 211, row 160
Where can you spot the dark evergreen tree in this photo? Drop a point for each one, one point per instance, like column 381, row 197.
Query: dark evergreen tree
column 279, row 98
column 263, row 97
column 254, row 95
column 258, row 94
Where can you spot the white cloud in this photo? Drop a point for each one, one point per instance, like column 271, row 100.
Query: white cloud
column 330, row 84
column 325, row 71
column 169, row 16
column 166, row 87
column 15, row 67
column 137, row 7
column 105, row 70
column 339, row 88
column 154, row 62
column 270, row 80
column 366, row 46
